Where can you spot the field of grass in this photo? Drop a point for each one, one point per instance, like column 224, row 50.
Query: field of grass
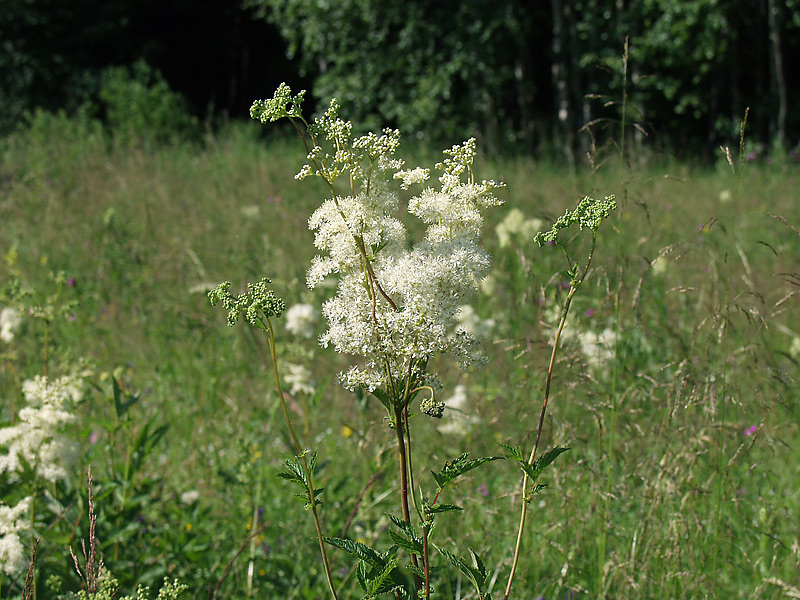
column 683, row 478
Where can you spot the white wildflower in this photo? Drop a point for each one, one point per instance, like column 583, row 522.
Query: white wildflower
column 190, row 497
column 515, row 227
column 301, row 320
column 457, row 420
column 725, row 196
column 36, row 438
column 13, row 520
column 412, row 176
column 659, row 266
column 396, row 304
column 10, row 322
column 597, row 348
column 298, row 378
column 470, row 321
column 794, row 349
column 250, row 212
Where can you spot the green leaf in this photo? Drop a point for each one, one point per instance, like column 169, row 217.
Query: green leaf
column 384, row 398
column 121, row 406
column 513, row 452
column 442, row 508
column 458, row 466
column 410, row 541
column 476, row 572
column 541, row 463
column 362, row 551
column 382, row 581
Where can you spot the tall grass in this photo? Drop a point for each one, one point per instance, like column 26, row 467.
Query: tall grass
column 683, row 479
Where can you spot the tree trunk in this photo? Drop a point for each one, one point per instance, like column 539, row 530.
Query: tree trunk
column 779, row 129
column 563, row 130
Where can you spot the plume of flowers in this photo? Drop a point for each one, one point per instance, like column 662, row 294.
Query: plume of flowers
column 36, row 440
column 13, row 520
column 396, row 304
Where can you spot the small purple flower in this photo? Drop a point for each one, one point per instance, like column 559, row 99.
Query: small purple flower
column 71, row 282
column 483, row 490
column 94, row 437
column 752, row 155
column 751, row 430
column 590, row 312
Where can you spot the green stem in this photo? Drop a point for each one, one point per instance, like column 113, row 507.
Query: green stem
column 302, row 454
column 402, row 457
column 574, row 286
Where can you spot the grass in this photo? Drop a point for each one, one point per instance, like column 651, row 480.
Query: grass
column 665, row 493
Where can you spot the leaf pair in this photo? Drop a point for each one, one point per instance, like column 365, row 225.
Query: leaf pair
column 533, row 470
column 295, row 473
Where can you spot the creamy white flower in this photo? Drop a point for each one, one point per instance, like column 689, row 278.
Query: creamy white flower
column 457, row 420
column 470, row 321
column 396, row 306
column 794, row 349
column 36, row 438
column 301, row 320
column 516, row 227
column 13, row 520
column 190, row 497
column 597, row 348
column 10, row 322
column 659, row 266
column 410, row 177
column 298, row 378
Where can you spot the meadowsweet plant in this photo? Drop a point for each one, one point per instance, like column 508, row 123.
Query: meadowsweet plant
column 588, row 216
column 36, row 444
column 398, row 304
column 13, row 521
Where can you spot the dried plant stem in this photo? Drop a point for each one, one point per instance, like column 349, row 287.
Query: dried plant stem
column 312, row 501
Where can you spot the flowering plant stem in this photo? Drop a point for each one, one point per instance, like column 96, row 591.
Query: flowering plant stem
column 575, row 284
column 312, row 501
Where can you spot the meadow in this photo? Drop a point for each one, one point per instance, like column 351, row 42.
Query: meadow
column 676, row 388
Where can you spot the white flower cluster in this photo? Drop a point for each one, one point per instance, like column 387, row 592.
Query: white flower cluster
column 13, row 520
column 462, row 422
column 301, row 320
column 597, row 348
column 36, row 439
column 10, row 322
column 471, row 322
column 299, row 379
column 515, row 227
column 397, row 306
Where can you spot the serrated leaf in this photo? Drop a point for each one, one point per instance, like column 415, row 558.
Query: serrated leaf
column 548, row 457
column 534, row 490
column 470, row 572
column 404, row 543
column 361, row 574
column 458, row 466
column 410, row 541
column 383, row 397
column 540, row 464
column 476, row 560
column 362, row 551
column 382, row 581
column 513, row 452
column 290, row 477
column 432, row 570
column 442, row 508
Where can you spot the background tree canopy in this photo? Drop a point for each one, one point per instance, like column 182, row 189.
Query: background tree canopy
column 526, row 75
